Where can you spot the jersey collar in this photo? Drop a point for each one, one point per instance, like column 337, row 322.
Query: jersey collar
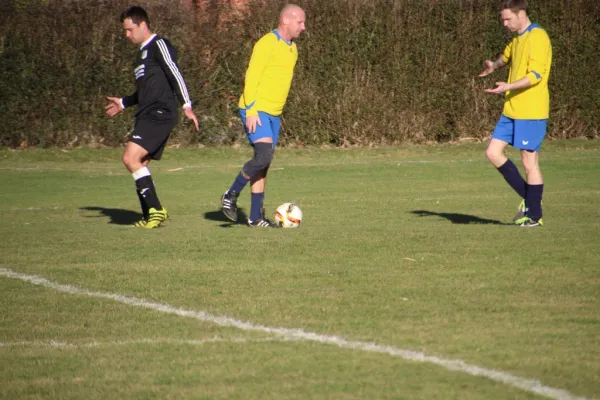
column 529, row 28
column 148, row 41
column 280, row 38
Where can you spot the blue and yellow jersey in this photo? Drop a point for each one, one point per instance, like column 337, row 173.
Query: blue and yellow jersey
column 530, row 55
column 269, row 75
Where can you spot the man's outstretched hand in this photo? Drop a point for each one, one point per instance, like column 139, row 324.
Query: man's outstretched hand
column 114, row 107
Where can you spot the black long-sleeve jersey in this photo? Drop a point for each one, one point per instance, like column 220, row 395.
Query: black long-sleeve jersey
column 158, row 80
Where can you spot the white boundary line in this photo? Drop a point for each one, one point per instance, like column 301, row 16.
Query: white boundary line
column 283, row 165
column 55, row 344
column 299, row 334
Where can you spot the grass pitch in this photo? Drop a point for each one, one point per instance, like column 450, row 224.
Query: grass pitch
column 402, row 247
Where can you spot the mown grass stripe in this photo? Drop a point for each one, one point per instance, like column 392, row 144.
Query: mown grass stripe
column 529, row 385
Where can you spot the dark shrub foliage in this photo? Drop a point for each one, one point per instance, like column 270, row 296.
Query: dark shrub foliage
column 370, row 72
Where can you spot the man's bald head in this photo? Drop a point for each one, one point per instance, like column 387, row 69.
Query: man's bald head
column 290, row 11
column 291, row 21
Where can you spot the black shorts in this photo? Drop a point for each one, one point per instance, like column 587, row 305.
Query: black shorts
column 152, row 132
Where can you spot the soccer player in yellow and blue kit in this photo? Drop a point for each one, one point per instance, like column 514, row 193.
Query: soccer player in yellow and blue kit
column 526, row 108
column 267, row 84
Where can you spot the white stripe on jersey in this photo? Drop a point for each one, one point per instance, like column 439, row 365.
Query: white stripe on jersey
column 173, row 67
column 140, row 71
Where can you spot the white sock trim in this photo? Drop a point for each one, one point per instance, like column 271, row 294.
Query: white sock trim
column 140, row 173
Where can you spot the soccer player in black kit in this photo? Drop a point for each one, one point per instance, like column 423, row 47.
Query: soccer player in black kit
column 159, row 86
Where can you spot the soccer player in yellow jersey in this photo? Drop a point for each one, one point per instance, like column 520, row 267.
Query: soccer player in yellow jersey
column 267, row 84
column 526, row 108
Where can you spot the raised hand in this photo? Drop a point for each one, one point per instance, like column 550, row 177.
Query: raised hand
column 114, row 107
column 500, row 88
column 488, row 68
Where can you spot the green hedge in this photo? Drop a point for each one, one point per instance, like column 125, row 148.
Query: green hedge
column 370, row 72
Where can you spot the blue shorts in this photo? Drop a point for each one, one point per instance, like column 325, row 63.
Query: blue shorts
column 269, row 127
column 523, row 134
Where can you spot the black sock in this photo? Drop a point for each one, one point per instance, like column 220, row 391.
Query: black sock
column 534, row 201
column 145, row 209
column 511, row 174
column 147, row 190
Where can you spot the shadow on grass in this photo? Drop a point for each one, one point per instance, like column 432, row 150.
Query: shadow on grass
column 218, row 216
column 456, row 218
column 116, row 216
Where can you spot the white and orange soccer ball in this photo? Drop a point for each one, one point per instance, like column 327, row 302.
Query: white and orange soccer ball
column 288, row 215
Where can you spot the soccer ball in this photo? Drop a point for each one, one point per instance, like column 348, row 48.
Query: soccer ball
column 288, row 215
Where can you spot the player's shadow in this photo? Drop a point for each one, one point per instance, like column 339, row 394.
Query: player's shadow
column 226, row 223
column 456, row 218
column 116, row 216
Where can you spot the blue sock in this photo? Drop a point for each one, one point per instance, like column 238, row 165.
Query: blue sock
column 256, row 205
column 511, row 174
column 534, row 201
column 239, row 184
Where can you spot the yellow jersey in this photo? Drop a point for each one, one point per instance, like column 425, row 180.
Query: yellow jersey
column 269, row 75
column 530, row 55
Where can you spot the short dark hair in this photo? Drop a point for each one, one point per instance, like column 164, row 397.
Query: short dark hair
column 514, row 5
column 137, row 15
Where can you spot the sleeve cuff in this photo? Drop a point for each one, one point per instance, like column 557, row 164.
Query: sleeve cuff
column 251, row 110
column 187, row 105
column 533, row 77
column 122, row 105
